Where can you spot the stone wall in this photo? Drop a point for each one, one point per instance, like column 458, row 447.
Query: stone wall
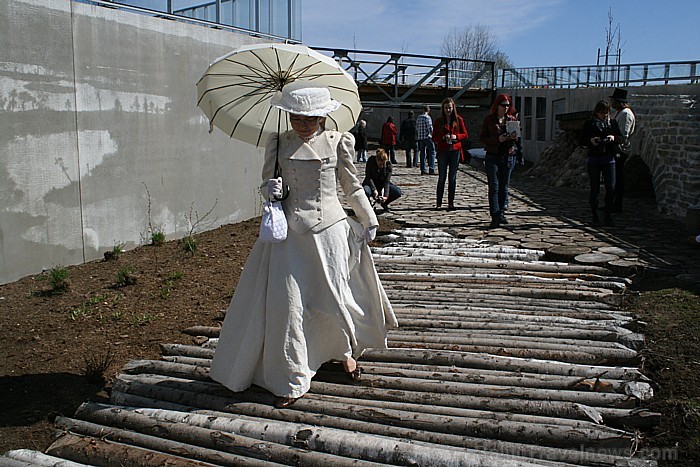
column 667, row 140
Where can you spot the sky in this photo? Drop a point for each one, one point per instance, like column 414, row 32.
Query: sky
column 532, row 33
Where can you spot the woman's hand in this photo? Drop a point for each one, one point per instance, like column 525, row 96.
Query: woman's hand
column 503, row 138
column 375, row 194
column 274, row 188
column 369, row 234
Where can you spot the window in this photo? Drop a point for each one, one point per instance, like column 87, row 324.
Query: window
column 527, row 113
column 541, row 118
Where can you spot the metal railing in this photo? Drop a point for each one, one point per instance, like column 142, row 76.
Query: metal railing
column 168, row 13
column 397, row 76
column 635, row 74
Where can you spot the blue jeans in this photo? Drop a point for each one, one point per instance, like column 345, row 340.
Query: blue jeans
column 607, row 170
column 411, row 146
column 447, row 160
column 498, row 170
column 361, row 155
column 394, row 193
column 391, row 152
column 426, row 147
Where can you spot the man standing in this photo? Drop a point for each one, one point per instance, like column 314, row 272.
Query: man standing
column 626, row 122
column 407, row 135
column 424, row 136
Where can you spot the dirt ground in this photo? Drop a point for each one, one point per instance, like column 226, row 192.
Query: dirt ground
column 53, row 342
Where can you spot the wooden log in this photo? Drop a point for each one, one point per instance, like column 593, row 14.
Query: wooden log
column 549, row 435
column 208, row 331
column 501, row 378
column 561, row 355
column 343, row 444
column 595, row 259
column 482, row 444
column 186, row 351
column 34, row 458
column 95, row 451
column 565, row 253
column 188, row 393
column 593, row 399
column 531, row 255
column 626, row 267
column 9, row 462
column 493, row 362
column 610, row 351
column 197, row 442
column 520, row 265
column 523, row 279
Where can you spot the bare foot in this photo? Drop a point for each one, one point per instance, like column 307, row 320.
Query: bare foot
column 350, row 365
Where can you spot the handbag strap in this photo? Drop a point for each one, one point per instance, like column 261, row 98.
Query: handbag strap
column 277, row 173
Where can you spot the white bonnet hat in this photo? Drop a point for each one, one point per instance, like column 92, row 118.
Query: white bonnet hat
column 305, row 98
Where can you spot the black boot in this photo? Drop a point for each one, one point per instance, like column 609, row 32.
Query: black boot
column 608, row 220
column 495, row 222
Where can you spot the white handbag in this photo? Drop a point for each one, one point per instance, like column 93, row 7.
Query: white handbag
column 273, row 227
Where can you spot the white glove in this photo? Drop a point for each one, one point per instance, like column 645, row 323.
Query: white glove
column 369, row 234
column 274, row 188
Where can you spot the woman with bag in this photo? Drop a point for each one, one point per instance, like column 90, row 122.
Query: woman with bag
column 315, row 296
column 501, row 147
column 448, row 133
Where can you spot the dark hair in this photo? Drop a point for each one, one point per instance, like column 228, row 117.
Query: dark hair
column 602, row 106
column 497, row 102
column 390, row 119
column 426, row 108
column 410, row 113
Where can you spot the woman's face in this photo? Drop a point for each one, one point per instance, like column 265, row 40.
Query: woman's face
column 503, row 108
column 305, row 127
column 448, row 108
column 602, row 115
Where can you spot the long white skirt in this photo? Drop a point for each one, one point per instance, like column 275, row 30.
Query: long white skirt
column 299, row 303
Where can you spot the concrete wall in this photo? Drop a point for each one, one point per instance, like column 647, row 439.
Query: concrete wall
column 667, row 135
column 94, row 104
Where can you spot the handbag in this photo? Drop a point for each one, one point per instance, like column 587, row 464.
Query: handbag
column 273, row 228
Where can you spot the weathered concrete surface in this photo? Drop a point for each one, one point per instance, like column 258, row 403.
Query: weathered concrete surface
column 95, row 105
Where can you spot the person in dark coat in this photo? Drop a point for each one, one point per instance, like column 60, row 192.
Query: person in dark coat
column 360, row 134
column 377, row 182
column 407, row 135
column 601, row 135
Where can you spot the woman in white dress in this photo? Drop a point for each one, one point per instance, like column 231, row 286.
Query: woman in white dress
column 315, row 296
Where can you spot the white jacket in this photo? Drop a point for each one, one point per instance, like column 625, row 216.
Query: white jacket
column 312, row 171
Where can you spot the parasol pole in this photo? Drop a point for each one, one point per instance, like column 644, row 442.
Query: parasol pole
column 285, row 188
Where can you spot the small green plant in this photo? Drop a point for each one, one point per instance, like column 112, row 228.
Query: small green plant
column 126, row 276
column 141, row 319
column 168, row 283
column 115, row 253
column 95, row 365
column 189, row 244
column 75, row 313
column 157, row 238
column 117, row 315
column 58, row 279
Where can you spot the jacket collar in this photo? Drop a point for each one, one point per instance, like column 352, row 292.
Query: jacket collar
column 296, row 149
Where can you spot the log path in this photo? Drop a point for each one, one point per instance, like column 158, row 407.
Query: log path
column 510, row 352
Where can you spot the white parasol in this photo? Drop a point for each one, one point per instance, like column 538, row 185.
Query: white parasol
column 236, row 89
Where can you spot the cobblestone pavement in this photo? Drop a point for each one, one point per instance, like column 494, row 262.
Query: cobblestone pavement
column 541, row 217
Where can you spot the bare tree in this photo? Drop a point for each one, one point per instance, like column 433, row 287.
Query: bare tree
column 475, row 42
column 613, row 36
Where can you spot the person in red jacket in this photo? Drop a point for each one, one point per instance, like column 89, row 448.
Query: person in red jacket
column 449, row 131
column 501, row 147
column 389, row 132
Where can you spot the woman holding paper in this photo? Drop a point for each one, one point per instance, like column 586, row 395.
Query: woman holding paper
column 316, row 295
column 499, row 135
